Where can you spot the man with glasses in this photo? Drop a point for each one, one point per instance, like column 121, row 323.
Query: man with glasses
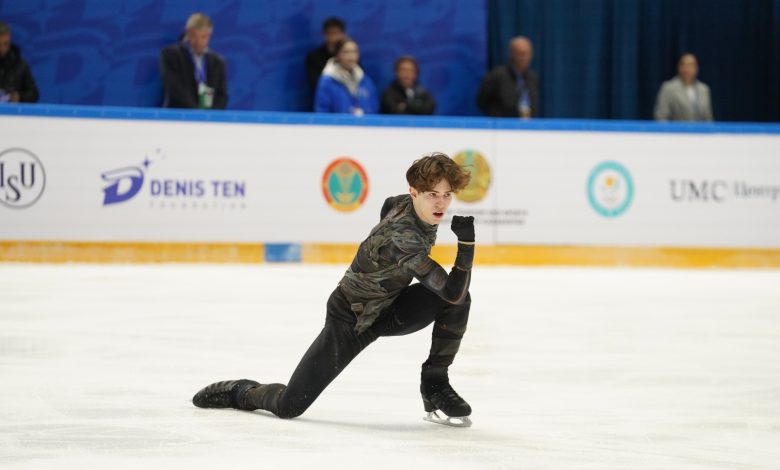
column 375, row 298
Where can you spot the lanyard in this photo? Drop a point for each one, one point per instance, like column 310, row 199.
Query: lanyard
column 200, row 68
column 522, row 92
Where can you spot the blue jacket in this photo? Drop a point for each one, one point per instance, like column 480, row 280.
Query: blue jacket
column 333, row 97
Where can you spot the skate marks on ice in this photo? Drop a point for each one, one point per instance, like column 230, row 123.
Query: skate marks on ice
column 591, row 369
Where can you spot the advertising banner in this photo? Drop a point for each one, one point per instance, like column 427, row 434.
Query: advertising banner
column 114, row 180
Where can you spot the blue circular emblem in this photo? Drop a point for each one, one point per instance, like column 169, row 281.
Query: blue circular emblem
column 610, row 189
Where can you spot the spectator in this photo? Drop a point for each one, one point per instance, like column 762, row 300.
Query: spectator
column 333, row 31
column 343, row 86
column 512, row 90
column 193, row 76
column 404, row 95
column 16, row 80
column 684, row 98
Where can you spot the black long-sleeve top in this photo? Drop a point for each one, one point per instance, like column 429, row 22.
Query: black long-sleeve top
column 396, row 251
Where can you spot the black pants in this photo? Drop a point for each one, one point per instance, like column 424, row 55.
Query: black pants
column 338, row 343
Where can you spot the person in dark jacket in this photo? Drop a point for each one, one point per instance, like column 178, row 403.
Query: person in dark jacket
column 405, row 95
column 193, row 76
column 512, row 90
column 375, row 299
column 333, row 31
column 16, row 81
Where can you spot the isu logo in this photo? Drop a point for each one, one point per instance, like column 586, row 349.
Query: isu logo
column 345, row 184
column 22, row 178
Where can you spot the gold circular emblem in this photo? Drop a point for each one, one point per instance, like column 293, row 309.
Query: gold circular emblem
column 477, row 165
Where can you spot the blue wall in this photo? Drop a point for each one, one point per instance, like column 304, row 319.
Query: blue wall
column 105, row 52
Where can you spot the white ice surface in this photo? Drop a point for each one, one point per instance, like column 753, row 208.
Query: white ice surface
column 564, row 368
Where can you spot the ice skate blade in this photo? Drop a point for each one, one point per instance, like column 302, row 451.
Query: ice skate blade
column 454, row 421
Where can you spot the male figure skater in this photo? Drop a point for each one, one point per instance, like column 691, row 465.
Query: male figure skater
column 375, row 298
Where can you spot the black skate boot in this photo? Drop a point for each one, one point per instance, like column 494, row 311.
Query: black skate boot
column 438, row 394
column 226, row 394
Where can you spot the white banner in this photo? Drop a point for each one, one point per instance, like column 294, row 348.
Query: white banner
column 651, row 189
column 65, row 179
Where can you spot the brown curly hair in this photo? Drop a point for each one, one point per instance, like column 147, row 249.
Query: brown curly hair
column 426, row 172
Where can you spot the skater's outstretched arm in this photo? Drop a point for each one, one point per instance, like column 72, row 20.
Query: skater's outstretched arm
column 451, row 287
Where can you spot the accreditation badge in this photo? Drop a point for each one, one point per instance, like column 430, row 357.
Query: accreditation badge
column 205, row 96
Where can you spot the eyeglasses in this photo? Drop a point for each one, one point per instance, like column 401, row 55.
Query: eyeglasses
column 434, row 196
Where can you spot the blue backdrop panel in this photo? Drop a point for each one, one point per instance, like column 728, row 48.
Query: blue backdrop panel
column 107, row 51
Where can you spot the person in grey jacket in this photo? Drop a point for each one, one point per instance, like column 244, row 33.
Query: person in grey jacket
column 684, row 97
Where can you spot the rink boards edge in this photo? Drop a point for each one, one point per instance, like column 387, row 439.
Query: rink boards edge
column 494, row 255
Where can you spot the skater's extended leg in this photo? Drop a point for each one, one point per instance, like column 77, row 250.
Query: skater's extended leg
column 334, row 348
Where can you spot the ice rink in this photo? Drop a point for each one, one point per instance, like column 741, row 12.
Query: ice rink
column 564, row 368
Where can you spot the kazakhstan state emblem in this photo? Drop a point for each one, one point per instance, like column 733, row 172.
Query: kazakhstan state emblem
column 477, row 165
column 345, row 184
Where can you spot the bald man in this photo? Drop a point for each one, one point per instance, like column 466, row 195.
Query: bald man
column 512, row 89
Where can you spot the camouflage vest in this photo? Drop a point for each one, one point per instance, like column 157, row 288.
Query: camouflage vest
column 385, row 261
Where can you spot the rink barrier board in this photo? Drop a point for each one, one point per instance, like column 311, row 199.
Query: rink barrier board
column 538, row 251
column 488, row 255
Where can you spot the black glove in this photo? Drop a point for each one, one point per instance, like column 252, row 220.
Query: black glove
column 463, row 228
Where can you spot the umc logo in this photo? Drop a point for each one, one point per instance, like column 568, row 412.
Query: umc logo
column 698, row 191
column 124, row 182
column 22, row 178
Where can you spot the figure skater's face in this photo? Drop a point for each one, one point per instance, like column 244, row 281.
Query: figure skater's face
column 430, row 206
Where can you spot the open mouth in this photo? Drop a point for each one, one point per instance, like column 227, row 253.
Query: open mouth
column 438, row 215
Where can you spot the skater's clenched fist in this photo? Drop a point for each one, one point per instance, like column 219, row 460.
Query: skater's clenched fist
column 463, row 226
